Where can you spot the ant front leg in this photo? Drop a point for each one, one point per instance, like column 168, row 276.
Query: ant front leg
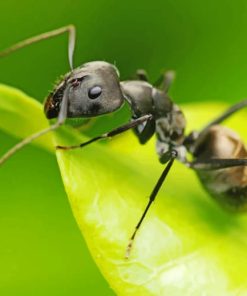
column 112, row 133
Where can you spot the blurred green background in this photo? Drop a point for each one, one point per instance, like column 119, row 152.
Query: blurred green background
column 41, row 249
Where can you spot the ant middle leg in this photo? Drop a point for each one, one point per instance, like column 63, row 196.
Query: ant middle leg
column 170, row 156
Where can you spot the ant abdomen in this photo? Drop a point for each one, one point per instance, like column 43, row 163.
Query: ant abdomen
column 228, row 185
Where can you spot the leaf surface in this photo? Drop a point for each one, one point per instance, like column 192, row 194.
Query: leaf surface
column 21, row 116
column 187, row 245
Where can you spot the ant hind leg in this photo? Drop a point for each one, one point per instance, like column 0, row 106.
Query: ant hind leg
column 217, row 164
column 229, row 112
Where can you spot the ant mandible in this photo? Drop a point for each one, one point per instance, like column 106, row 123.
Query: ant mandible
column 93, row 89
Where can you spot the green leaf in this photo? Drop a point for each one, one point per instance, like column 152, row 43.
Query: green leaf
column 187, row 245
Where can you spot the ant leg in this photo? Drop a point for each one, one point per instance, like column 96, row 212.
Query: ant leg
column 112, row 133
column 217, row 163
column 171, row 155
column 168, row 80
column 71, row 45
column 145, row 131
column 194, row 135
column 225, row 115
column 61, row 118
column 165, row 81
column 142, row 75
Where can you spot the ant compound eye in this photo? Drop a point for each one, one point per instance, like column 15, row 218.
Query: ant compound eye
column 94, row 92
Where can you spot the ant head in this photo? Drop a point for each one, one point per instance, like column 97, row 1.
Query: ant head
column 93, row 89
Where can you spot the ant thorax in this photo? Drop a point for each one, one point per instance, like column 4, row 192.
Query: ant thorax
column 168, row 120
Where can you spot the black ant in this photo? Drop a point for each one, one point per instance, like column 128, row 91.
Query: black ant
column 93, row 89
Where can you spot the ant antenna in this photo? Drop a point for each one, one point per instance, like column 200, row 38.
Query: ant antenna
column 64, row 105
column 61, row 118
column 71, row 45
